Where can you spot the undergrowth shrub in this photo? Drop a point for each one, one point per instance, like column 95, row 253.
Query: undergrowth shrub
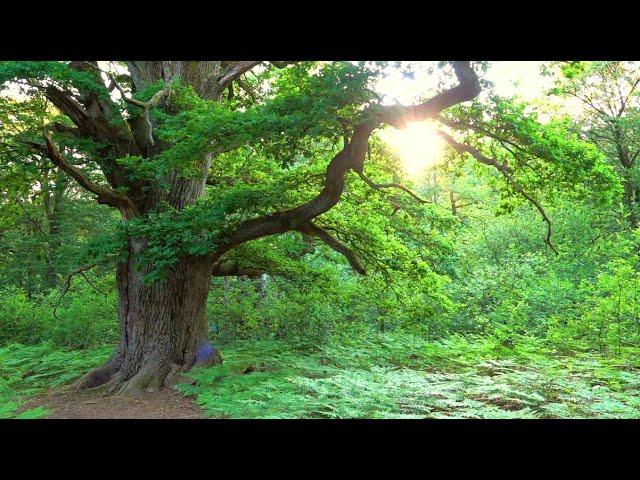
column 83, row 318
column 22, row 319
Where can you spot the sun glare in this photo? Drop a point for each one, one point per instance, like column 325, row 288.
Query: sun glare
column 417, row 144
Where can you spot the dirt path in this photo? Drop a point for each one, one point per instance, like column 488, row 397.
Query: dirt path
column 72, row 404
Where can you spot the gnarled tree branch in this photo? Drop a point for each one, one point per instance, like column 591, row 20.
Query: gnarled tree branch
column 352, row 157
column 233, row 71
column 312, row 229
column 475, row 153
column 154, row 101
column 245, row 86
column 104, row 194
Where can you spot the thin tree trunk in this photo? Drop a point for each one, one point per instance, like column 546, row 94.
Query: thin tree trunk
column 630, row 198
column 227, row 288
column 52, row 208
column 262, row 286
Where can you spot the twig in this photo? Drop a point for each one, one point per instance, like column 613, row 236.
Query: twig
column 146, row 106
column 67, row 285
column 379, row 186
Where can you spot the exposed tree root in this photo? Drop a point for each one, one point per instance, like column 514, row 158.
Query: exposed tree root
column 97, row 377
column 174, row 377
column 149, row 379
column 152, row 376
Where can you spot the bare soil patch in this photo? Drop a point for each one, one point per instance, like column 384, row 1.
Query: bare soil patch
column 164, row 404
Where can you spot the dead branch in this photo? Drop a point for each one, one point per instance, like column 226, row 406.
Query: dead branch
column 67, row 285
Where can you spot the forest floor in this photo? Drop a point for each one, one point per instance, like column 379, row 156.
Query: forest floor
column 392, row 375
column 164, row 404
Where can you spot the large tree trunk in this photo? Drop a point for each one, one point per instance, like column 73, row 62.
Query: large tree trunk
column 163, row 327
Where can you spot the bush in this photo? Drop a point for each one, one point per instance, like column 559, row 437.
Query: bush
column 87, row 319
column 21, row 317
column 84, row 318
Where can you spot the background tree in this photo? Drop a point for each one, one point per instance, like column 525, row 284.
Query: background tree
column 46, row 217
column 608, row 94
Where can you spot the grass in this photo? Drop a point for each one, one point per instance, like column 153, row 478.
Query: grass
column 395, row 375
